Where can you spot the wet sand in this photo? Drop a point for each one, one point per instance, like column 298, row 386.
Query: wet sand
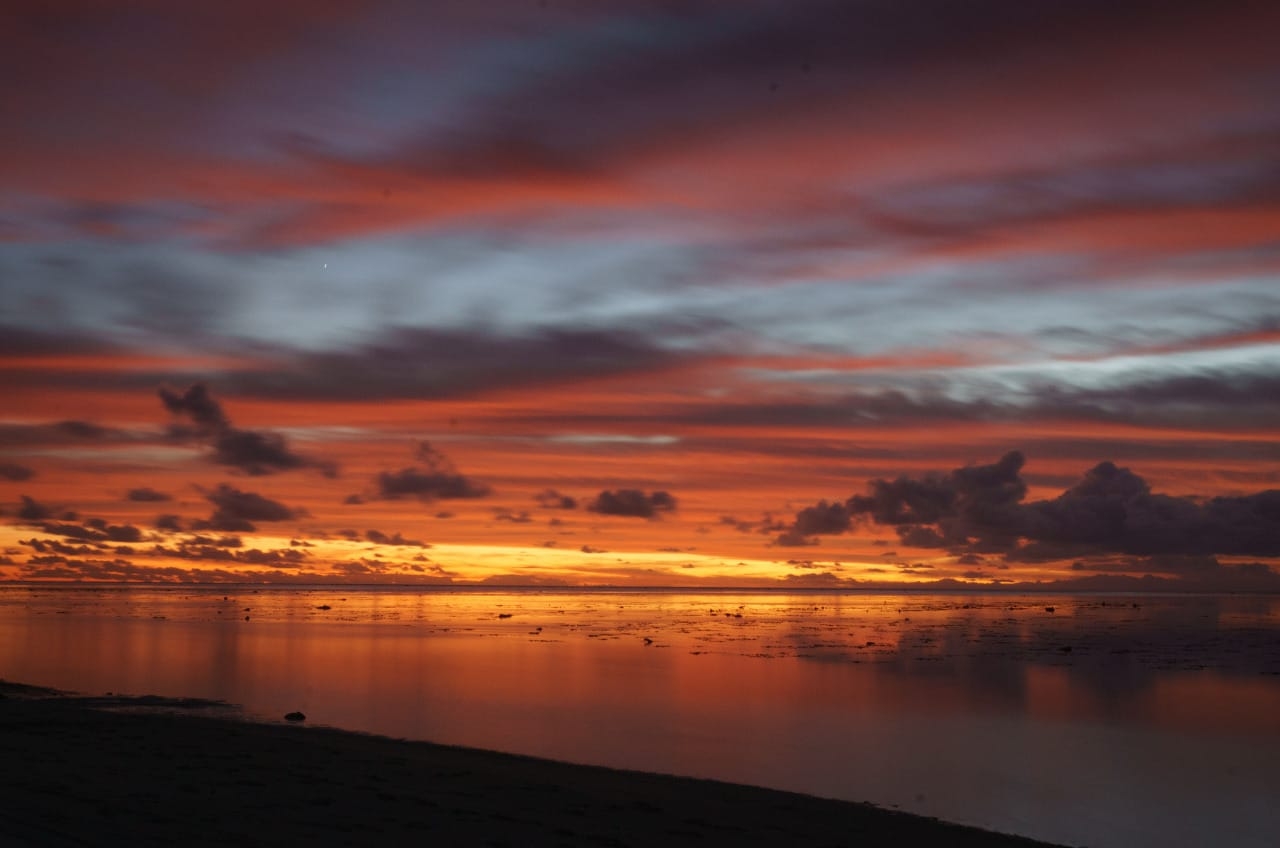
column 142, row 771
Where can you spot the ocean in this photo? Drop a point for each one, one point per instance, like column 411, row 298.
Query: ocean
column 1080, row 719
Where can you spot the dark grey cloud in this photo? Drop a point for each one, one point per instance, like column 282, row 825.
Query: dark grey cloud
column 1114, row 509
column 427, row 485
column 980, row 509
column 146, row 494
column 95, row 530
column 71, row 531
column 633, row 503
column 435, row 478
column 15, row 472
column 115, row 532
column 1179, row 565
column 380, row 538
column 193, row 550
column 258, row 453
column 822, row 518
column 253, row 452
column 388, row 362
column 976, row 505
column 169, row 523
column 235, row 510
column 438, row 363
column 286, row 558
column 552, row 499
column 766, row 525
column 1239, row 398
column 198, row 405
column 217, row 542
column 58, row 567
column 699, row 72
column 53, row 546
column 33, row 510
column 279, row 570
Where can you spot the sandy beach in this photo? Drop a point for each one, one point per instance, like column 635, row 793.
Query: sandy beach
column 114, row 770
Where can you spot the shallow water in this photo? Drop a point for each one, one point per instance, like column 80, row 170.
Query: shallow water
column 1109, row 720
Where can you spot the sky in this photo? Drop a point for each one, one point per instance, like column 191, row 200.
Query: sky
column 750, row 293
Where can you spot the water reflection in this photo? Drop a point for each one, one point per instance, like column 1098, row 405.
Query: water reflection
column 1160, row 717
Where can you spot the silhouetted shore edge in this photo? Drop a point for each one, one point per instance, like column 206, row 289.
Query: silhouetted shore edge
column 151, row 770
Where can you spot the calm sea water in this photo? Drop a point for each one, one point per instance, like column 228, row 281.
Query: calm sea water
column 1108, row 721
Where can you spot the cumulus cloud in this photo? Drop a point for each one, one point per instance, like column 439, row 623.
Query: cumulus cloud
column 256, row 453
column 427, row 485
column 435, row 478
column 766, row 525
column 287, row 558
column 977, row 505
column 633, row 503
column 1112, row 508
column 235, row 511
column 198, row 405
column 71, row 531
column 793, row 539
column 169, row 522
column 822, row 518
column 97, row 531
column 552, row 499
column 980, row 509
column 217, row 542
column 46, row 546
column 116, row 532
column 33, row 510
column 380, row 538
column 253, row 452
column 201, row 550
column 929, row 511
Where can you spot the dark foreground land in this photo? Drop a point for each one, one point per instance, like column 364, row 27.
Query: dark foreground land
column 148, row 771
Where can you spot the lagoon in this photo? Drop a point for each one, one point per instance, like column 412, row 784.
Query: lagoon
column 1110, row 720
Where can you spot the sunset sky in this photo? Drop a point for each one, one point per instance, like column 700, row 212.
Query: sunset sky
column 641, row 293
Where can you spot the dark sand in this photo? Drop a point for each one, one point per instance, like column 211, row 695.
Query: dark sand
column 139, row 771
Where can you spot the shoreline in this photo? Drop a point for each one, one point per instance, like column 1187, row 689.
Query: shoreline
column 151, row 770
